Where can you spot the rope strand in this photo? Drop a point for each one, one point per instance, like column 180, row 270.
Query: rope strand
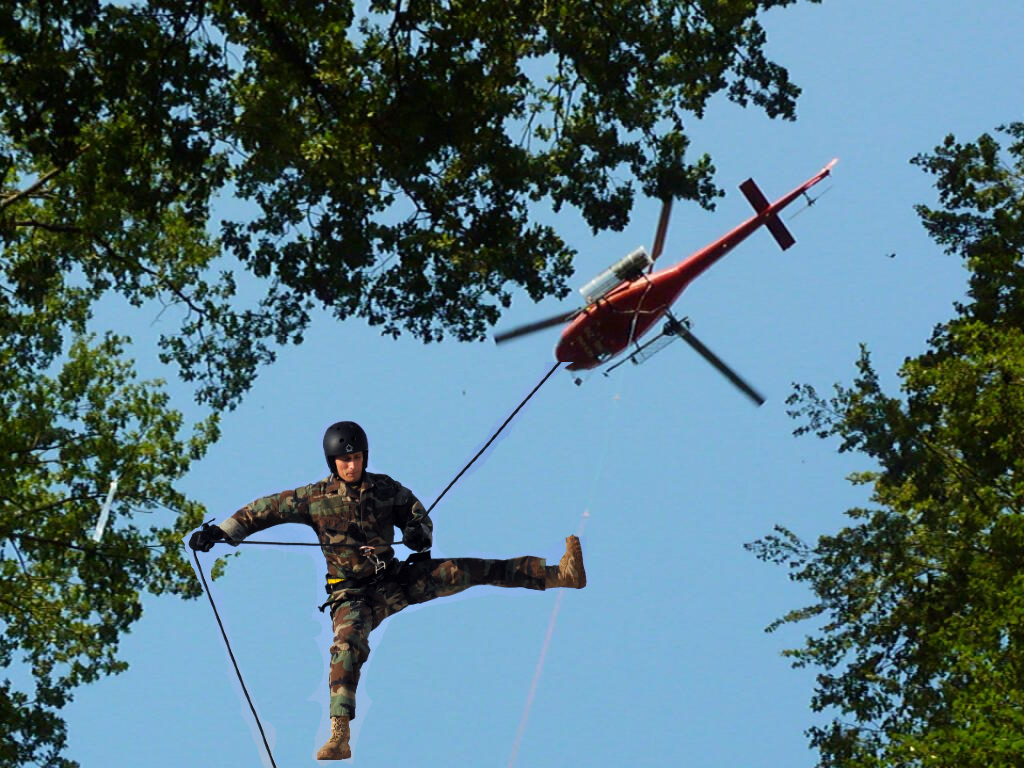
column 238, row 672
column 558, row 604
column 305, row 544
column 495, row 435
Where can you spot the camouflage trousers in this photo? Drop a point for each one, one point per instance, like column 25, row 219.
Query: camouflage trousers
column 358, row 611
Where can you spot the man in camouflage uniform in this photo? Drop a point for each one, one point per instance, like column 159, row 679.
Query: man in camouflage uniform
column 354, row 514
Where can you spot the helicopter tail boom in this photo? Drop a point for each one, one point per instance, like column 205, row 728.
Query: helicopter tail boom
column 773, row 223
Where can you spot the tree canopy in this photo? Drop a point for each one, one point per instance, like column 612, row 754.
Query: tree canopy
column 381, row 161
column 387, row 155
column 919, row 601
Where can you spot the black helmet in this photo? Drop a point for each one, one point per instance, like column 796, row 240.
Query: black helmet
column 345, row 437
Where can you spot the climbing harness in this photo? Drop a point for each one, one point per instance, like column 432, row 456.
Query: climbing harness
column 367, row 551
column 400, row 570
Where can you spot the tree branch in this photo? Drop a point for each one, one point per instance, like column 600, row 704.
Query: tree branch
column 39, row 183
column 87, row 550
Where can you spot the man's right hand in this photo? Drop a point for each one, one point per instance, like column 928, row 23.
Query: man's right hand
column 206, row 537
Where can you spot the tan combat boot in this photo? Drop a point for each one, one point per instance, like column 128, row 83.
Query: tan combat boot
column 337, row 747
column 569, row 572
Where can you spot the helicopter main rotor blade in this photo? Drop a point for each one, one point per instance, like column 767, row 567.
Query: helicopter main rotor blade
column 538, row 325
column 659, row 237
column 716, row 361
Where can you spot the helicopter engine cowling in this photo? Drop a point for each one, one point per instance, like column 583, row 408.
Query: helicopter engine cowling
column 628, row 268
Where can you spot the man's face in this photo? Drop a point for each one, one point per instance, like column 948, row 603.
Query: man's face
column 349, row 466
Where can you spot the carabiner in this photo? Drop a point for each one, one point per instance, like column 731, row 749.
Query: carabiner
column 378, row 564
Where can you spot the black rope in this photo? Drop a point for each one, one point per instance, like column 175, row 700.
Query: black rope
column 232, row 655
column 487, row 445
column 495, row 435
column 307, row 544
column 471, row 462
column 285, row 543
column 202, row 576
column 316, row 544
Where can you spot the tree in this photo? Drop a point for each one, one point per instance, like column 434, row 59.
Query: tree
column 385, row 164
column 920, row 599
column 65, row 600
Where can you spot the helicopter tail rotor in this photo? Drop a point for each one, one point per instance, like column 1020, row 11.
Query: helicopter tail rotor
column 773, row 223
column 811, row 201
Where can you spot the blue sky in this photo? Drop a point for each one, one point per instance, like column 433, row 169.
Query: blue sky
column 662, row 659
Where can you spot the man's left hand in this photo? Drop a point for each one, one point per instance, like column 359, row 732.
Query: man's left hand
column 416, row 537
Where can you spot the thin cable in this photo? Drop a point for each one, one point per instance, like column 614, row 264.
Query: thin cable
column 495, row 435
column 232, row 655
column 540, row 661
column 554, row 612
column 636, row 312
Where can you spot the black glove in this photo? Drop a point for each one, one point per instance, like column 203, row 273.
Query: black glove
column 206, row 537
column 416, row 537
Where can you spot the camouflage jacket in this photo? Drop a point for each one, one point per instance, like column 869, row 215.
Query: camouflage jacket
column 343, row 520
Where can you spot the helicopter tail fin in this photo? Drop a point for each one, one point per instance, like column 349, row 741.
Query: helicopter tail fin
column 774, row 224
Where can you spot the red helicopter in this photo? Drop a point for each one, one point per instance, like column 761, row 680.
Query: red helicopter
column 626, row 300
